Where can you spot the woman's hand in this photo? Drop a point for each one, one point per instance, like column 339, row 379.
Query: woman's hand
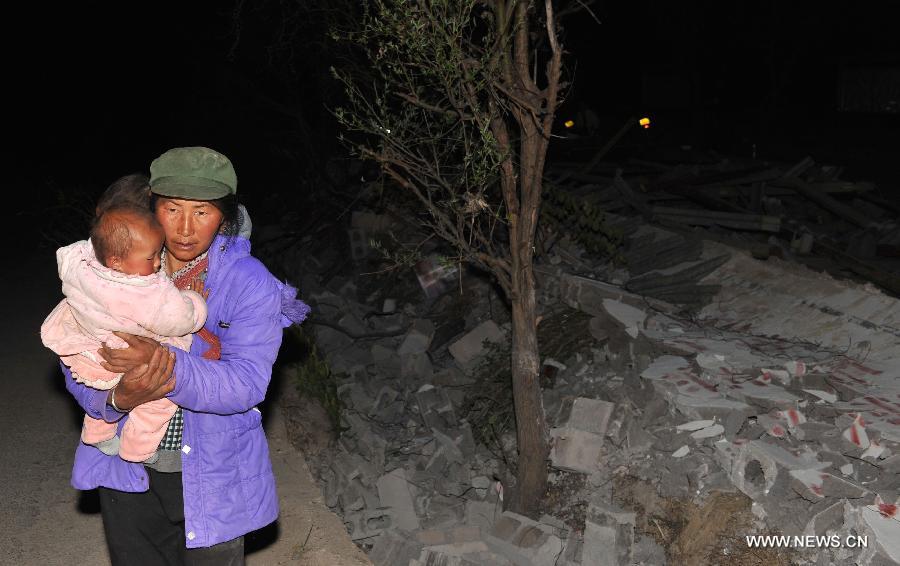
column 139, row 351
column 198, row 286
column 146, row 382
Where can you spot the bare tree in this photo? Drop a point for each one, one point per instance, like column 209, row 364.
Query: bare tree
column 459, row 116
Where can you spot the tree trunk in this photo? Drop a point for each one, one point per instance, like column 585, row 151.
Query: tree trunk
column 531, row 426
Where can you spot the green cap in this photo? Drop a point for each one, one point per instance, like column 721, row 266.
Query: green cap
column 195, row 173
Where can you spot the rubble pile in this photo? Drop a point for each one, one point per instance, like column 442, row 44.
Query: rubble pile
column 786, row 386
column 707, row 369
column 803, row 211
column 407, row 476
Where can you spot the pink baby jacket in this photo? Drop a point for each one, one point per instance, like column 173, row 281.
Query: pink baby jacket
column 100, row 300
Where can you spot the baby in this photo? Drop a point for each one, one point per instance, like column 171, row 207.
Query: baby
column 112, row 283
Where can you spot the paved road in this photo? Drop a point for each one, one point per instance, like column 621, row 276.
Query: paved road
column 44, row 521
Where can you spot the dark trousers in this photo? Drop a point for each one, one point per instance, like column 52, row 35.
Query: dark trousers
column 147, row 529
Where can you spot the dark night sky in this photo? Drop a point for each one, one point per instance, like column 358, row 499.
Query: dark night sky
column 107, row 86
column 100, row 88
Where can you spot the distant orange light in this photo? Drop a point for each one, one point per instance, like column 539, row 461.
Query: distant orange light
column 569, row 123
column 645, row 123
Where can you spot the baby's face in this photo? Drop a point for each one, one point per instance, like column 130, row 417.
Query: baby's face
column 146, row 245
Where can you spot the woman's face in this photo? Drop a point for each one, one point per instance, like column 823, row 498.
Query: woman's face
column 190, row 226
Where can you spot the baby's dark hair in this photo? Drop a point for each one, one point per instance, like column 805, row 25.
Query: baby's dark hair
column 110, row 233
column 133, row 189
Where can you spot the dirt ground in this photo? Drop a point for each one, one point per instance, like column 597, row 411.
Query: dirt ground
column 308, row 533
column 705, row 534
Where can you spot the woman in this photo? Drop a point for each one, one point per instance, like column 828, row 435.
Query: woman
column 213, row 481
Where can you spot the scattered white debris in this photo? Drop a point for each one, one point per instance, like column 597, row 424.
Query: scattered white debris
column 781, row 375
column 882, row 520
column 705, row 360
column 812, row 479
column 695, row 425
column 708, row 432
column 795, row 368
column 792, row 417
column 874, row 451
column 665, row 365
column 823, row 395
column 632, row 318
column 558, row 365
column 681, row 452
column 772, row 426
column 857, row 433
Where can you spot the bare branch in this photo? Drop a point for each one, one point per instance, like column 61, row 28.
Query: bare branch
column 355, row 335
column 387, row 163
column 436, row 109
column 577, row 7
column 532, row 104
column 500, row 268
column 554, row 69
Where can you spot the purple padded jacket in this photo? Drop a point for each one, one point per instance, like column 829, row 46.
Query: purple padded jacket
column 229, row 488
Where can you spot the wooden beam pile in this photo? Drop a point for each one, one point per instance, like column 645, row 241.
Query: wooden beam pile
column 804, row 210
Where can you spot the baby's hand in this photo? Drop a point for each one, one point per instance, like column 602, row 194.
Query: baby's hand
column 198, row 286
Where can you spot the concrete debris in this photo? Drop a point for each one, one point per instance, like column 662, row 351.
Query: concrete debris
column 608, row 536
column 366, row 525
column 825, row 396
column 468, row 349
column 708, row 432
column 435, row 276
column 754, row 466
column 631, row 318
column 648, row 553
column 393, row 491
column 695, row 425
column 588, row 295
column 681, row 452
column 391, row 548
column 874, row 451
column 359, row 244
column 883, row 528
column 856, row 433
column 791, row 417
column 525, row 542
column 416, row 367
column 815, row 484
column 829, row 519
column 588, row 415
column 418, row 338
column 575, row 450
